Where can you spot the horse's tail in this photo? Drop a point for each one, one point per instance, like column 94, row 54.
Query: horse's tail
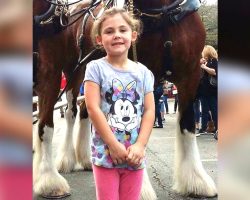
column 147, row 192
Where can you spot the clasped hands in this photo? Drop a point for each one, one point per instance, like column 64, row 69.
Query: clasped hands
column 133, row 155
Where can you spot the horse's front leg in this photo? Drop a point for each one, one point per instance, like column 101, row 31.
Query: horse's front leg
column 83, row 133
column 46, row 180
column 190, row 178
column 66, row 160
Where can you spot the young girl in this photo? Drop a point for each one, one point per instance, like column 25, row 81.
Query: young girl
column 120, row 103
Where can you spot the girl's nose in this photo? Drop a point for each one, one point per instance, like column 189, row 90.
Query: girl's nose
column 117, row 35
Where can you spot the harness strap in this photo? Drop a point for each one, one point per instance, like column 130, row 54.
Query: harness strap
column 35, row 51
column 79, row 64
column 168, row 59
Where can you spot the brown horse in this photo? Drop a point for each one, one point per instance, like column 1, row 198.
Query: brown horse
column 56, row 50
column 169, row 50
column 183, row 41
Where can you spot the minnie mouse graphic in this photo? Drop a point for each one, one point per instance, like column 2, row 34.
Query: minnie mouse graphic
column 123, row 113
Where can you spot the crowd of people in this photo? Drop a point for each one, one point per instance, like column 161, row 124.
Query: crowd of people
column 205, row 103
column 162, row 92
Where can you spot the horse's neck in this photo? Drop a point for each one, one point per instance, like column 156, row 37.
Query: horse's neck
column 40, row 7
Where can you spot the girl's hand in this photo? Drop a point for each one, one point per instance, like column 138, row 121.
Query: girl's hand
column 136, row 154
column 118, row 153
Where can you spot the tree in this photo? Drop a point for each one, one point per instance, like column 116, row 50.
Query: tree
column 209, row 16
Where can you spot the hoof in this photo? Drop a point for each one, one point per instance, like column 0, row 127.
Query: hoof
column 87, row 166
column 200, row 196
column 54, row 196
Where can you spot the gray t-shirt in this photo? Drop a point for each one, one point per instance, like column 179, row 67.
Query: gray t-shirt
column 122, row 102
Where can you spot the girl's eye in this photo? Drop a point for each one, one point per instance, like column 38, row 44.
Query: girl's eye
column 108, row 31
column 123, row 30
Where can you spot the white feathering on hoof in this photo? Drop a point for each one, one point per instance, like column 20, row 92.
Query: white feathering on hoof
column 190, row 178
column 37, row 155
column 147, row 191
column 66, row 160
column 82, row 142
column 46, row 179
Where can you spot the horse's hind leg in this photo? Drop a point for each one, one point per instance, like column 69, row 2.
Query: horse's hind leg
column 66, row 160
column 67, row 154
column 190, row 178
column 83, row 138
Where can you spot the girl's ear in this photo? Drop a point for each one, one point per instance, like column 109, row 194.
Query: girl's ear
column 99, row 40
column 134, row 36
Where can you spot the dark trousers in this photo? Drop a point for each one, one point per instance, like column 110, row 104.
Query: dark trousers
column 197, row 111
column 176, row 102
column 209, row 103
column 158, row 113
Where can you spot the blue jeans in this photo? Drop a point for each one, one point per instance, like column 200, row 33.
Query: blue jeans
column 158, row 113
column 209, row 103
column 197, row 112
column 165, row 99
column 176, row 100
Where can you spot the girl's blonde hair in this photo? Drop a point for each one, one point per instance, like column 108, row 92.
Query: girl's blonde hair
column 209, row 52
column 134, row 23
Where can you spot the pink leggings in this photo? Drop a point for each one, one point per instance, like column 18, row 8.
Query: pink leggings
column 117, row 184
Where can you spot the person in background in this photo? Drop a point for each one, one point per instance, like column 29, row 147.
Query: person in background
column 63, row 84
column 197, row 114
column 165, row 95
column 163, row 109
column 81, row 91
column 175, row 93
column 206, row 91
column 158, row 92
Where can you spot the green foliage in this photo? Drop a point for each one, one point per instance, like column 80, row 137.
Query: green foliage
column 209, row 16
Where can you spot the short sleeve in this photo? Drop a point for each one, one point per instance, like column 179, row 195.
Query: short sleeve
column 92, row 73
column 215, row 65
column 148, row 82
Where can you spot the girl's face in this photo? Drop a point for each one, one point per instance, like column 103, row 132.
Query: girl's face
column 116, row 36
